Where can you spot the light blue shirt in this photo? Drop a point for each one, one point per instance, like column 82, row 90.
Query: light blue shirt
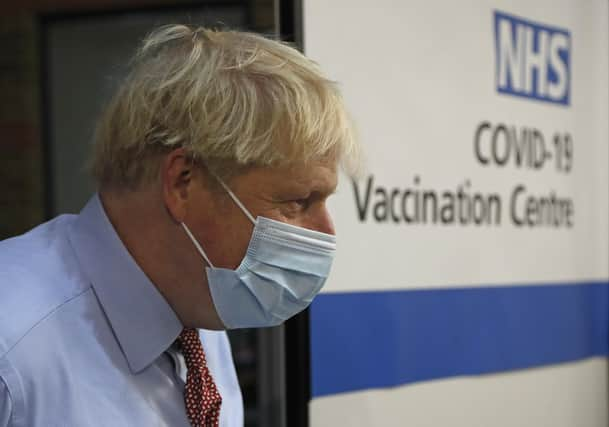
column 87, row 340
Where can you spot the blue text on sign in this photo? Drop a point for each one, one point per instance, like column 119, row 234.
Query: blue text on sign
column 532, row 60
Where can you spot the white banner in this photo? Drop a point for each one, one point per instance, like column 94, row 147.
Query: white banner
column 485, row 126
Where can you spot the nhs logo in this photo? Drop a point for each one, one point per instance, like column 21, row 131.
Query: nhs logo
column 532, row 60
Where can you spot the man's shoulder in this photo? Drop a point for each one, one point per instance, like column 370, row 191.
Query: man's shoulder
column 39, row 273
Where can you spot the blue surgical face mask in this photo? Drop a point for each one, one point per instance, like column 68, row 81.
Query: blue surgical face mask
column 284, row 267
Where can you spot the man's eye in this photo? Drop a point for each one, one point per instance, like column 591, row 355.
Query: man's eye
column 298, row 204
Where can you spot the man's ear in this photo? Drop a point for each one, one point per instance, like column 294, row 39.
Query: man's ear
column 176, row 180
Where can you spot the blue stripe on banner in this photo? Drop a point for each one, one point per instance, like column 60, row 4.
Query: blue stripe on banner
column 369, row 340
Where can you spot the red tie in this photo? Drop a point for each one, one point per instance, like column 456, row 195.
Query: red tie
column 201, row 395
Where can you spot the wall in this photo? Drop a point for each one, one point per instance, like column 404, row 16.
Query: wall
column 21, row 173
column 471, row 286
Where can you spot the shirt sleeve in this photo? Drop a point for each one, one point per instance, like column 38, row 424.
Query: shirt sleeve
column 6, row 405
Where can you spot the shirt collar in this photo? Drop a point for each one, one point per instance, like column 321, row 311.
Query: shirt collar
column 143, row 322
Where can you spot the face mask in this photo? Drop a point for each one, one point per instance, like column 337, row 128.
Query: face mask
column 284, row 267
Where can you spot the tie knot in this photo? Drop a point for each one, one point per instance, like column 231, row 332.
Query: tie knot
column 188, row 335
column 191, row 347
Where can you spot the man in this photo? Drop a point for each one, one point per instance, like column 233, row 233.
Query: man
column 214, row 161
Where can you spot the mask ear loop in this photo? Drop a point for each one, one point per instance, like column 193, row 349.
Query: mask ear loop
column 199, row 248
column 237, row 201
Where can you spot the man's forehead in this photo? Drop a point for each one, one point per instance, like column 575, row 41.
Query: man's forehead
column 318, row 176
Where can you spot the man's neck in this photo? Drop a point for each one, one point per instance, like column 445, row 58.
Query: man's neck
column 161, row 249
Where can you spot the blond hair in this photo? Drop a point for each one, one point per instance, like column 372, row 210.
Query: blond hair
column 227, row 97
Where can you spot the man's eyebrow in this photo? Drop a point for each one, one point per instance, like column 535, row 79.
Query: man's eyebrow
column 325, row 192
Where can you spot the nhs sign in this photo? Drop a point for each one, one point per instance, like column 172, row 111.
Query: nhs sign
column 532, row 60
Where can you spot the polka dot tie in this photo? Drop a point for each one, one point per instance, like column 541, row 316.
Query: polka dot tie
column 201, row 395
